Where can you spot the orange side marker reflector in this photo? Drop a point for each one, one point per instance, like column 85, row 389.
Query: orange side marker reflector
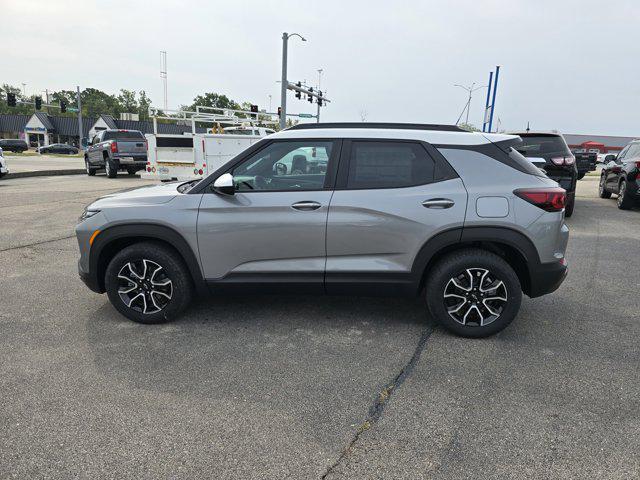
column 93, row 237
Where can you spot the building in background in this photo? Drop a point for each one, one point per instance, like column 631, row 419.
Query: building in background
column 596, row 143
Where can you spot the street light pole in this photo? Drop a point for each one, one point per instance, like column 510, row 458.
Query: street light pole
column 284, row 83
column 79, row 119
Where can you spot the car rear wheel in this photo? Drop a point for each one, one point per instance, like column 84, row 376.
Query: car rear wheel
column 625, row 201
column 568, row 209
column 90, row 171
column 131, row 171
column 110, row 168
column 602, row 189
column 148, row 283
column 473, row 293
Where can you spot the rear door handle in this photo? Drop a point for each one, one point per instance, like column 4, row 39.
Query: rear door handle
column 438, row 203
column 306, row 206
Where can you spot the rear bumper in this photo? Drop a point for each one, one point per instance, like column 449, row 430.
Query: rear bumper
column 546, row 278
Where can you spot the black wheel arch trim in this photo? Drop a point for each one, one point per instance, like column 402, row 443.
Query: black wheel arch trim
column 456, row 238
column 143, row 232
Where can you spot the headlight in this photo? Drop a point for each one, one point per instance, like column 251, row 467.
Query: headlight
column 88, row 213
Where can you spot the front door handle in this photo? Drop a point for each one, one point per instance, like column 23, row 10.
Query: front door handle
column 306, row 206
column 438, row 203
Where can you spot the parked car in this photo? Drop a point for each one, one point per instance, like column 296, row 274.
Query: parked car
column 116, row 150
column 400, row 209
column 621, row 175
column 3, row 165
column 585, row 161
column 61, row 148
column 13, row 145
column 560, row 163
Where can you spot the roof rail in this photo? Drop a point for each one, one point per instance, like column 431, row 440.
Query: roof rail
column 395, row 126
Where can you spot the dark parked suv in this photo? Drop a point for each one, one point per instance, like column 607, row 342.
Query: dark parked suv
column 399, row 209
column 560, row 164
column 621, row 175
column 13, row 145
column 116, row 150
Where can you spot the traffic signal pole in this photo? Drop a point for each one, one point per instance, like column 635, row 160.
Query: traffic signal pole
column 283, row 84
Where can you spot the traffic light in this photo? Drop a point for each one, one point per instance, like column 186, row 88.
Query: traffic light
column 254, row 108
column 279, row 112
column 63, row 107
column 298, row 93
column 38, row 103
column 11, row 99
column 319, row 98
column 310, row 98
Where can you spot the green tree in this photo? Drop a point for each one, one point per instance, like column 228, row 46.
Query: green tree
column 144, row 103
column 127, row 101
column 213, row 100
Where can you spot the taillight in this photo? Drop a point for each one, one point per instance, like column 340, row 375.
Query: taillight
column 551, row 199
column 567, row 160
column 114, row 147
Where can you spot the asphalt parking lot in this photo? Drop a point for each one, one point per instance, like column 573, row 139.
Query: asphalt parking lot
column 308, row 387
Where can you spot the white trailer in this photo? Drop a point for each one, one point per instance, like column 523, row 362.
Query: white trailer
column 185, row 157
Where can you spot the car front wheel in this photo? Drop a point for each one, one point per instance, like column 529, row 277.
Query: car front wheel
column 473, row 293
column 148, row 283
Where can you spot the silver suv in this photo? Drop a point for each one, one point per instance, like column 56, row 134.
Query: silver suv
column 358, row 209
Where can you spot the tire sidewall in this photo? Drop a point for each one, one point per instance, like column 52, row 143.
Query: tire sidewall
column 175, row 270
column 458, row 262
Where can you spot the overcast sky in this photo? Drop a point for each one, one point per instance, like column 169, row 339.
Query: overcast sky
column 566, row 65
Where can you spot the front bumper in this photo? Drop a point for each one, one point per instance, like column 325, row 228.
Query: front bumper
column 90, row 281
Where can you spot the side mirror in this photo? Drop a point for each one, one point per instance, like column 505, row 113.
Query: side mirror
column 224, row 184
column 610, row 158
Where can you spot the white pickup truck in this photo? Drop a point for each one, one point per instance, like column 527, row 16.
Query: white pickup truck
column 189, row 156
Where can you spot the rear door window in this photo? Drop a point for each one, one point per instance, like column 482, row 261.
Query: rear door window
column 388, row 164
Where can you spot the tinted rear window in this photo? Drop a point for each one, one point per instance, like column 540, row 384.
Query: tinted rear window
column 376, row 164
column 133, row 136
column 542, row 145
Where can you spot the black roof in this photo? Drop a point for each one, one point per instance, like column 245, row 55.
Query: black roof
column 13, row 123
column 69, row 125
column 394, row 126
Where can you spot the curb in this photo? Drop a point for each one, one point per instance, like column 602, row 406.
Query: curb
column 44, row 173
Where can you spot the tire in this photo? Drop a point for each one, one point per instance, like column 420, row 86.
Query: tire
column 148, row 306
column 602, row 189
column 568, row 209
column 625, row 201
column 90, row 171
column 463, row 268
column 581, row 175
column 131, row 171
column 110, row 168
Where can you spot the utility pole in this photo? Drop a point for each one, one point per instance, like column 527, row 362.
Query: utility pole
column 24, row 91
column 319, row 80
column 79, row 119
column 284, row 82
column 163, row 75
column 270, row 103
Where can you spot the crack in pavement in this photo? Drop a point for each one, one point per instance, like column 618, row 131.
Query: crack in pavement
column 36, row 243
column 378, row 406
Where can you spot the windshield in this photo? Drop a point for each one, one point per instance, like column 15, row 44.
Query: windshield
column 542, row 145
